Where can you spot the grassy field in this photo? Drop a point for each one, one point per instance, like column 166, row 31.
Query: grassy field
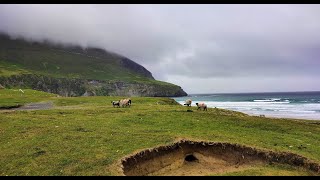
column 86, row 135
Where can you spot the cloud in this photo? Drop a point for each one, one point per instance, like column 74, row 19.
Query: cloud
column 179, row 43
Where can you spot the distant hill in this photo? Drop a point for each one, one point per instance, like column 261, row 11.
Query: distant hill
column 73, row 71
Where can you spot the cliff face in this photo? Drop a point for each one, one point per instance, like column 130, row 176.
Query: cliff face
column 80, row 87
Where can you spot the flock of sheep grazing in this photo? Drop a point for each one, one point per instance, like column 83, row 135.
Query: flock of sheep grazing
column 127, row 103
column 199, row 105
column 122, row 103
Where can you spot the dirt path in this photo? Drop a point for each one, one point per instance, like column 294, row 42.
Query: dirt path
column 35, row 106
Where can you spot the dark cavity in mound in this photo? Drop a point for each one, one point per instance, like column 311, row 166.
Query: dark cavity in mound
column 190, row 158
column 205, row 158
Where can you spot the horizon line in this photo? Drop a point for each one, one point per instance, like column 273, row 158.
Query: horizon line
column 257, row 92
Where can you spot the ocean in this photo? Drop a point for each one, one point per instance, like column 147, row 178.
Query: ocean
column 298, row 105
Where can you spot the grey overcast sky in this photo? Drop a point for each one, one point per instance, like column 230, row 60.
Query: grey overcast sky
column 202, row 48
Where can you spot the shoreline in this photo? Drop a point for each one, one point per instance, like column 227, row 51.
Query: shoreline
column 266, row 115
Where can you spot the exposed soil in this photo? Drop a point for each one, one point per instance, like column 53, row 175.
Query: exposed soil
column 32, row 106
column 205, row 158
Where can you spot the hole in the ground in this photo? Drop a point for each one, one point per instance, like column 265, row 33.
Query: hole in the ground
column 190, row 158
column 211, row 158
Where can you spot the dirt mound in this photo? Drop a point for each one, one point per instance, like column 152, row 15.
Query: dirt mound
column 204, row 158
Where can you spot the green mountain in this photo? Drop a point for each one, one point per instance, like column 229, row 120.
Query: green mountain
column 70, row 70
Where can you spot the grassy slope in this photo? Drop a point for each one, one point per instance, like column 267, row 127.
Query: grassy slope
column 18, row 57
column 84, row 135
column 8, row 69
column 13, row 97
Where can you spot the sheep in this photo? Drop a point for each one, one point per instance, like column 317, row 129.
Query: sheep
column 125, row 102
column 202, row 106
column 115, row 103
column 188, row 102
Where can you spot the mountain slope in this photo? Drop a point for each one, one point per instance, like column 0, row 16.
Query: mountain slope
column 73, row 71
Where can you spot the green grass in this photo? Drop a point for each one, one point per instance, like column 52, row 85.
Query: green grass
column 85, row 135
column 8, row 69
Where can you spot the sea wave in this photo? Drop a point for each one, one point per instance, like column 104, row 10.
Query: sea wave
column 281, row 109
column 270, row 100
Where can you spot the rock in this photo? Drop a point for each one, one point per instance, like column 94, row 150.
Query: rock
column 82, row 87
column 89, row 93
column 1, row 87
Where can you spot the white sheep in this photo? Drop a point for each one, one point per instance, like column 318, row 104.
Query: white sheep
column 188, row 102
column 202, row 106
column 125, row 102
